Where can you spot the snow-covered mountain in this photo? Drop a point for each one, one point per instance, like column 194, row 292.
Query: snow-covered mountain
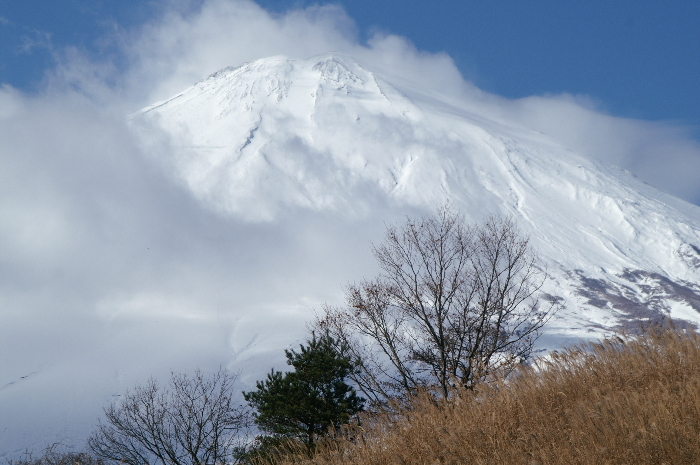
column 326, row 134
column 285, row 171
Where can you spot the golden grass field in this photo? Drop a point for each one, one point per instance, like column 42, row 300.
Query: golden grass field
column 622, row 401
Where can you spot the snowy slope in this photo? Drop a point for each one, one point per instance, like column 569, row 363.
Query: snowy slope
column 325, row 134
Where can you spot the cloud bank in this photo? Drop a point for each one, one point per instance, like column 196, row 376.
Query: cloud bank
column 110, row 271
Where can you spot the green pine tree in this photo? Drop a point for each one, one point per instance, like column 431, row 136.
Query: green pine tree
column 305, row 403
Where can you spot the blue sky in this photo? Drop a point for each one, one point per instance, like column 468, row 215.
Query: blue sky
column 638, row 59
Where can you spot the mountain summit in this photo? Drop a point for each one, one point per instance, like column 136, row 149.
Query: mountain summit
column 326, row 134
column 278, row 133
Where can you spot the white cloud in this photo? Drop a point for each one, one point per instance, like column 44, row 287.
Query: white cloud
column 661, row 154
column 110, row 273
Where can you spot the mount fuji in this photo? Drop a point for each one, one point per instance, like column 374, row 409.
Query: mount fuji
column 285, row 172
column 327, row 135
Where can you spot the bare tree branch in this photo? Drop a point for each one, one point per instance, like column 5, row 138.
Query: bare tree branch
column 454, row 302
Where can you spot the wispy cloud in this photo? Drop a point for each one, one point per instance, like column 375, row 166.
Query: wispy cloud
column 662, row 154
column 34, row 39
column 27, row 39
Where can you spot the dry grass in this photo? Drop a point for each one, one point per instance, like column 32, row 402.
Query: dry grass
column 617, row 402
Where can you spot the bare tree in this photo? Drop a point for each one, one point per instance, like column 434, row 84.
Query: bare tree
column 453, row 303
column 193, row 421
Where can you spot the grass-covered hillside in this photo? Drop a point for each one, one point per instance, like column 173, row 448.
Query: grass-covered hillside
column 622, row 401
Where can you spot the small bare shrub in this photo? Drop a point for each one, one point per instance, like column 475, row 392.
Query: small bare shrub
column 56, row 454
column 193, row 421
